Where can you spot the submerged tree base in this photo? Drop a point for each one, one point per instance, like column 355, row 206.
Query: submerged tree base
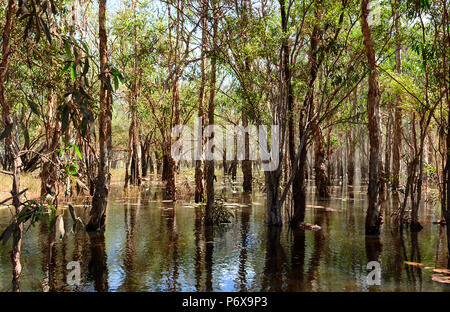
column 373, row 230
column 219, row 214
column 415, row 226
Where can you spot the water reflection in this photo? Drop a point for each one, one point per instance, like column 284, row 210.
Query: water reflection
column 98, row 270
column 296, row 276
column 130, row 245
column 275, row 257
column 153, row 246
column 245, row 218
column 199, row 248
column 209, row 250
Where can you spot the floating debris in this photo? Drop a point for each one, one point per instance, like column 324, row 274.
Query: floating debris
column 442, row 271
column 441, row 278
column 321, row 207
column 308, row 226
column 414, row 263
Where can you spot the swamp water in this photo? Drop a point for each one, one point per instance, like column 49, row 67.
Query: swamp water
column 151, row 245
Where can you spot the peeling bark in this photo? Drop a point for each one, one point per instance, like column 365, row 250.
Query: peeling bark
column 99, row 200
column 199, row 196
column 211, row 108
column 373, row 217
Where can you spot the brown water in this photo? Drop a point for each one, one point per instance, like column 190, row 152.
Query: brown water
column 153, row 246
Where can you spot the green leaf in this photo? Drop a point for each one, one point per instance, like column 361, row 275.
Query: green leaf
column 27, row 138
column 6, row 132
column 64, row 118
column 73, row 169
column 67, row 47
column 116, row 83
column 86, row 48
column 73, row 74
column 66, row 67
column 77, row 151
column 86, row 67
column 33, row 107
column 116, row 73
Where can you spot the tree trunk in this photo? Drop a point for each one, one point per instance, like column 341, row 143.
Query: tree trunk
column 159, row 165
column 169, row 170
column 351, row 159
column 373, row 217
column 4, row 65
column 133, row 169
column 145, row 149
column 234, row 162
column 134, row 161
column 18, row 229
column 397, row 141
column 388, row 144
column 49, row 172
column 447, row 165
column 319, row 164
column 246, row 163
column 352, row 143
column 99, row 200
column 329, row 160
column 151, row 163
column 12, row 159
column 298, row 185
column 298, row 191
column 211, row 107
column 224, row 162
column 273, row 210
column 198, row 162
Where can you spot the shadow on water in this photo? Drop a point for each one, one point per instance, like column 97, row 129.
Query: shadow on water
column 243, row 254
column 209, row 251
column 275, row 257
column 151, row 245
column 98, row 271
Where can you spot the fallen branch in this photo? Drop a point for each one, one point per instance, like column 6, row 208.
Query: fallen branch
column 9, row 198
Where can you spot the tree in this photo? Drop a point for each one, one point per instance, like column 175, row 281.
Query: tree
column 210, row 196
column 100, row 198
column 198, row 162
column 397, row 142
column 373, row 217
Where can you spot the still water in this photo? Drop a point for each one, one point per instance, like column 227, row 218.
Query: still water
column 151, row 245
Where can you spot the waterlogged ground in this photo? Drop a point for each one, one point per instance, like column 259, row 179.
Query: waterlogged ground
column 151, row 245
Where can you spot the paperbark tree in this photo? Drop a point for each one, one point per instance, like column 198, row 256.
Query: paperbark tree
column 100, row 198
column 397, row 140
column 373, row 216
column 211, row 108
column 201, row 115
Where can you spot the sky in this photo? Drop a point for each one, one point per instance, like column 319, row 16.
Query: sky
column 113, row 5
